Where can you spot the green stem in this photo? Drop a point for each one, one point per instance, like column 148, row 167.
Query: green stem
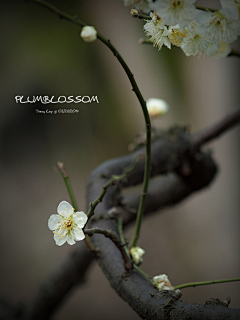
column 195, row 284
column 140, row 16
column 68, row 185
column 135, row 88
column 121, row 235
column 143, row 273
column 66, row 179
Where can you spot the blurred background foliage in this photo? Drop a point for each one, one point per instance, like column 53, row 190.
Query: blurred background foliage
column 44, row 55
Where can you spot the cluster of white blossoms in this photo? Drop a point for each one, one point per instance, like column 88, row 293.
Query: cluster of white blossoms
column 162, row 282
column 67, row 225
column 195, row 31
column 137, row 254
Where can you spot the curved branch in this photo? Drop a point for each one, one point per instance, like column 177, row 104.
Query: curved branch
column 135, row 289
column 170, row 153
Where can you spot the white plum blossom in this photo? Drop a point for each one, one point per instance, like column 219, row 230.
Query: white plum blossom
column 175, row 35
column 67, row 225
column 157, row 107
column 88, row 34
column 143, row 5
column 161, row 282
column 218, row 50
column 175, row 12
column 219, row 25
column 195, row 41
column 158, row 32
column 137, row 254
column 232, row 6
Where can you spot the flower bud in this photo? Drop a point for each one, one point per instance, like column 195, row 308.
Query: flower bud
column 137, row 254
column 134, row 13
column 88, row 34
column 157, row 107
column 162, row 282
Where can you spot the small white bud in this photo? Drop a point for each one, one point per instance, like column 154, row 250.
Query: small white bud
column 157, row 107
column 88, row 34
column 134, row 13
column 137, row 254
column 162, row 282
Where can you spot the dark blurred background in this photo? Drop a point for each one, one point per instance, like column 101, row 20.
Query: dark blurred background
column 44, row 55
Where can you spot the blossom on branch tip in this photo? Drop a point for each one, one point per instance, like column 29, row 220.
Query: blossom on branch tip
column 175, row 12
column 67, row 225
column 137, row 254
column 161, row 282
column 88, row 34
column 158, row 32
column 157, row 107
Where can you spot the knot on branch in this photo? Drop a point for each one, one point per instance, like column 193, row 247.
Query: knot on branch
column 215, row 302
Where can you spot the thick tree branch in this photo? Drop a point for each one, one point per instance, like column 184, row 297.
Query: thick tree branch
column 135, row 289
column 116, row 240
column 171, row 154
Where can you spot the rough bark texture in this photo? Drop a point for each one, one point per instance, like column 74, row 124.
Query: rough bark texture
column 190, row 172
column 178, row 170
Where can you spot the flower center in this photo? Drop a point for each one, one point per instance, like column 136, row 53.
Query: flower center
column 68, row 224
column 176, row 5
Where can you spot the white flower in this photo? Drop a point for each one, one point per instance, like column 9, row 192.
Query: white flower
column 162, row 282
column 175, row 35
column 220, row 26
column 158, row 32
column 67, row 224
column 232, row 6
column 218, row 50
column 137, row 254
column 157, row 107
column 175, row 12
column 143, row 5
column 195, row 41
column 89, row 34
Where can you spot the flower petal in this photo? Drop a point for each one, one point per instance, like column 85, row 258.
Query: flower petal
column 54, row 221
column 70, row 240
column 78, row 234
column 64, row 208
column 60, row 240
column 80, row 218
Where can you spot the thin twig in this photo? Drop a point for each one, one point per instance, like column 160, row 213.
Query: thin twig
column 121, row 235
column 215, row 130
column 140, row 16
column 66, row 179
column 202, row 283
column 113, row 179
column 143, row 273
column 115, row 238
